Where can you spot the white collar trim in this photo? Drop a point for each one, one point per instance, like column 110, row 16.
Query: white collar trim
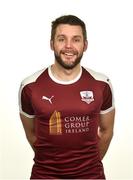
column 64, row 82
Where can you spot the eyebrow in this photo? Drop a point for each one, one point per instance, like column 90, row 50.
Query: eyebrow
column 63, row 35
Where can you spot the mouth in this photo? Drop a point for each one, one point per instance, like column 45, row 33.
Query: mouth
column 69, row 54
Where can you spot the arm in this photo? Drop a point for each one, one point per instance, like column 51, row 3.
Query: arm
column 105, row 131
column 28, row 124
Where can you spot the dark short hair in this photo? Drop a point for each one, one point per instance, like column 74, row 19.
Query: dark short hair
column 71, row 20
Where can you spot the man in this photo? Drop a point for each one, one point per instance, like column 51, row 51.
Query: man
column 67, row 110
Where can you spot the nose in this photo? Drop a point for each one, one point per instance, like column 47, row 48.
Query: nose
column 68, row 44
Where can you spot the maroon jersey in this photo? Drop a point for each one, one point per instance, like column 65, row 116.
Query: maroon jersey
column 66, row 123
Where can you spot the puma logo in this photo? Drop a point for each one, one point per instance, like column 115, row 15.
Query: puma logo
column 48, row 99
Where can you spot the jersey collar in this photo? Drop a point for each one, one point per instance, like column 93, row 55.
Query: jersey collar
column 64, row 82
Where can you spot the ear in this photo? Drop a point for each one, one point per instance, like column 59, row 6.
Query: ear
column 85, row 45
column 52, row 44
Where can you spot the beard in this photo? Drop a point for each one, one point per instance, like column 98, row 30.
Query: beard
column 66, row 65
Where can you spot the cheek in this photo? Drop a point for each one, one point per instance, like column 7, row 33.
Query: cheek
column 80, row 50
column 57, row 47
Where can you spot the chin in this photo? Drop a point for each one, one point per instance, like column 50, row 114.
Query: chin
column 68, row 63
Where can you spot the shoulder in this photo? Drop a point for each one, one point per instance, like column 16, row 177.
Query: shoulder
column 32, row 78
column 98, row 76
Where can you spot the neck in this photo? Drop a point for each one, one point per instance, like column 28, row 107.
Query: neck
column 63, row 74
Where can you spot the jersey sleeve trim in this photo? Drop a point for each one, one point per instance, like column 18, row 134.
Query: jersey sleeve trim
column 27, row 115
column 107, row 110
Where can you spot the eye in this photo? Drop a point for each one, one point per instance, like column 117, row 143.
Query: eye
column 61, row 39
column 76, row 40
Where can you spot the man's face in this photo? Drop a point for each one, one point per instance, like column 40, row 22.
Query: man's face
column 68, row 45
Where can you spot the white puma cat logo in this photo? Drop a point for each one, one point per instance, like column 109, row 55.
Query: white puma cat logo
column 48, row 99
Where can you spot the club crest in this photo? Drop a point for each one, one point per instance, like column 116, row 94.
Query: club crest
column 87, row 96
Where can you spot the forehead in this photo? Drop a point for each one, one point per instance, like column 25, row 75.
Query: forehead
column 69, row 30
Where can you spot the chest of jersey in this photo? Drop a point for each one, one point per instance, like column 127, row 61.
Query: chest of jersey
column 74, row 99
column 67, row 110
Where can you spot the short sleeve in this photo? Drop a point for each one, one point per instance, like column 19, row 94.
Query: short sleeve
column 25, row 103
column 108, row 98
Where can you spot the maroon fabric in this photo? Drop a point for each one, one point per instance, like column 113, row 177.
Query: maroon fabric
column 66, row 127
